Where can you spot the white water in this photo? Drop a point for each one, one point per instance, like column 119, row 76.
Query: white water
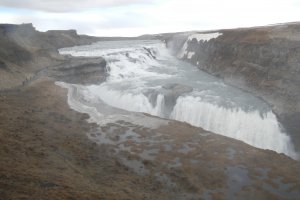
column 250, row 127
column 139, row 69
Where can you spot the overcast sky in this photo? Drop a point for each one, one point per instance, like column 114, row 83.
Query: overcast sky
column 136, row 17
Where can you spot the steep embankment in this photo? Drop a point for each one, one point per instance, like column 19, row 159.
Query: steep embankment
column 263, row 60
column 26, row 53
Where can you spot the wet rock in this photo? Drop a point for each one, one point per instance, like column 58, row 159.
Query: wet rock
column 80, row 70
column 171, row 92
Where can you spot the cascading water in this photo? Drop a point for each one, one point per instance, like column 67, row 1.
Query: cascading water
column 139, row 72
column 260, row 131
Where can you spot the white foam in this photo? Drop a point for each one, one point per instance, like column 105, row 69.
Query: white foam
column 183, row 51
column 128, row 101
column 77, row 96
column 77, row 105
column 126, row 63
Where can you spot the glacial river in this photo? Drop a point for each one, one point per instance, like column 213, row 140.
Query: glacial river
column 141, row 74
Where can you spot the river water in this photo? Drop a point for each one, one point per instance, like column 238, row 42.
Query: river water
column 143, row 77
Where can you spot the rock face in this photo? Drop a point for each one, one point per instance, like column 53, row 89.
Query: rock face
column 171, row 93
column 68, row 38
column 80, row 70
column 26, row 53
column 264, row 61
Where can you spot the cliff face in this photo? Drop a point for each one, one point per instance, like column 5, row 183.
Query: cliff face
column 68, row 38
column 24, row 51
column 264, row 61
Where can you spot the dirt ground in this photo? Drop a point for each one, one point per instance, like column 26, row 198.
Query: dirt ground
column 45, row 153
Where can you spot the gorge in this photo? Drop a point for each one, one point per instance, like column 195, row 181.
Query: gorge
column 86, row 117
column 144, row 77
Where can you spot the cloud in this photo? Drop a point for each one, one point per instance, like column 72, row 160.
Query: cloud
column 69, row 5
column 103, row 22
column 132, row 17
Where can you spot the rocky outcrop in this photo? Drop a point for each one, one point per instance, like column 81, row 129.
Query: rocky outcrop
column 263, row 60
column 68, row 38
column 170, row 92
column 26, row 53
column 80, row 70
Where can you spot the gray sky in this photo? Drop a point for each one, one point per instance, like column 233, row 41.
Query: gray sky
column 136, row 17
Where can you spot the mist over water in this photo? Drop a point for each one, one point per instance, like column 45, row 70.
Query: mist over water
column 141, row 74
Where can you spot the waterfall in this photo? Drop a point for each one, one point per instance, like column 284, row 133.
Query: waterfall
column 128, row 101
column 139, row 69
column 262, row 131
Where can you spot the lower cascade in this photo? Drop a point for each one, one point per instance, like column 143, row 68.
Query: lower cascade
column 144, row 77
column 252, row 128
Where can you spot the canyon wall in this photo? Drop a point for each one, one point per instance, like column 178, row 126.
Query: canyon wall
column 264, row 61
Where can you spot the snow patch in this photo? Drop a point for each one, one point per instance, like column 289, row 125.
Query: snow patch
column 204, row 37
column 190, row 55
